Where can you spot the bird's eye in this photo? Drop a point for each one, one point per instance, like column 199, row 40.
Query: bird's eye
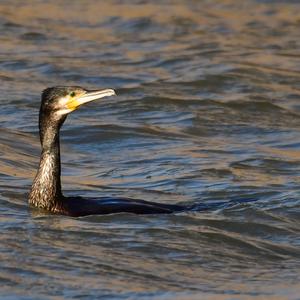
column 72, row 94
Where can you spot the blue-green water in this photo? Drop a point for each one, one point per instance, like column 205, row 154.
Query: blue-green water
column 207, row 111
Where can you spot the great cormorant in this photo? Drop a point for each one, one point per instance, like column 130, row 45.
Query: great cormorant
column 46, row 194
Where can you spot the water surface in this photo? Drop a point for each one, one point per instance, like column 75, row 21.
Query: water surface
column 207, row 111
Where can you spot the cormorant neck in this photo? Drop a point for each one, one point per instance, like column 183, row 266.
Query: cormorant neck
column 46, row 188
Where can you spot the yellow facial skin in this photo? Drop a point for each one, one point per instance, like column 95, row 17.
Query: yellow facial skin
column 72, row 100
column 77, row 98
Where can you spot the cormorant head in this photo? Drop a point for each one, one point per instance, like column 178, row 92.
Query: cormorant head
column 61, row 100
column 58, row 102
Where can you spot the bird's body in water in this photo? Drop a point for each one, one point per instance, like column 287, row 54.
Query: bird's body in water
column 46, row 193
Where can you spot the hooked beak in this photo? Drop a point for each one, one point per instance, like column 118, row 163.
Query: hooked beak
column 88, row 96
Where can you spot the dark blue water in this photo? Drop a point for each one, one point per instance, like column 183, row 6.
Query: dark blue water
column 207, row 112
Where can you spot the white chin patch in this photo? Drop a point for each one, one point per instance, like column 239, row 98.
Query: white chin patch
column 63, row 101
column 63, row 111
column 62, row 106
